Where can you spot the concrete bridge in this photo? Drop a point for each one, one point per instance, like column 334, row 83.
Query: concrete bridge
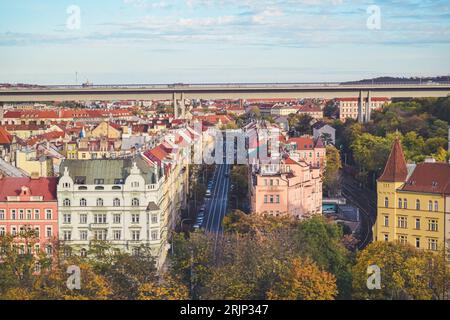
column 179, row 92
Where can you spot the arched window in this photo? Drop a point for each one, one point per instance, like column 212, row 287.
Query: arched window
column 83, row 202
column 405, row 203
column 83, row 252
column 116, row 202
column 436, row 206
column 135, row 202
column 66, row 203
column 99, row 202
column 400, row 203
column 430, row 205
column 417, row 204
column 386, row 202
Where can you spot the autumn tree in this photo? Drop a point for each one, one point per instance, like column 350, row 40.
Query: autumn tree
column 406, row 273
column 331, row 178
column 303, row 280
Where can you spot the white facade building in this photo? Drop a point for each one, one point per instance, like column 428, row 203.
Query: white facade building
column 118, row 201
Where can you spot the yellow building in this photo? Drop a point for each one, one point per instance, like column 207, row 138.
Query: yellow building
column 412, row 205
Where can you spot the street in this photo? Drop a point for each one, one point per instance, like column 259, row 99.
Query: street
column 216, row 206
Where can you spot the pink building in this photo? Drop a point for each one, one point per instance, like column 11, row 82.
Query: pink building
column 29, row 203
column 291, row 187
column 305, row 148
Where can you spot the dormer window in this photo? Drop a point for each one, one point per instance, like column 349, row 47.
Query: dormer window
column 135, row 184
column 25, row 191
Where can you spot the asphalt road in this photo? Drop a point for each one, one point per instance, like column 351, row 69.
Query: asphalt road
column 217, row 205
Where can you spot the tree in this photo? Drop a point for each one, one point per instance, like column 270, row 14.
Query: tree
column 406, row 273
column 303, row 280
column 332, row 171
column 321, row 241
column 168, row 288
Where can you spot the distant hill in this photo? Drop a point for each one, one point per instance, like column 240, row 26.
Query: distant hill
column 412, row 80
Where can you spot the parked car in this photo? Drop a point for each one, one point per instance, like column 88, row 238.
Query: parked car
column 208, row 193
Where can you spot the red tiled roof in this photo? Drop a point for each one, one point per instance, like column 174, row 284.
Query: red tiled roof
column 395, row 169
column 303, row 143
column 45, row 187
column 5, row 137
column 429, row 178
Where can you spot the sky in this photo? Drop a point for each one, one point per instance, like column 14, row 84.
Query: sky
column 215, row 41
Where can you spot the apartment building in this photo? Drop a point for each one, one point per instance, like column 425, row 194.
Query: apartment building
column 308, row 149
column 349, row 107
column 289, row 188
column 413, row 205
column 30, row 204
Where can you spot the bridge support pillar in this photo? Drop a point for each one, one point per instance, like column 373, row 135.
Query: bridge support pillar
column 360, row 108
column 368, row 107
column 183, row 107
column 175, row 106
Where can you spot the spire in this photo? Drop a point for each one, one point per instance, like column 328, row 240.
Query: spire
column 395, row 170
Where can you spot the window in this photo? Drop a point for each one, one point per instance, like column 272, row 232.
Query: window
column 100, row 218
column 417, row 224
column 21, row 212
column 13, row 231
column 265, row 198
column 402, row 222
column 135, row 184
column 29, row 214
column 13, row 214
column 2, row 214
column 117, row 234
column 432, row 244
column 116, row 202
column 67, row 235
column 83, row 202
column 99, row 202
column 386, row 202
column 83, row 218
column 417, row 204
column 100, row 234
column 430, row 205
column 403, row 239
column 135, row 218
column 432, row 225
column 37, row 214
column 49, row 250
column 386, row 237
column 436, row 206
column 386, row 221
column 155, row 235
column 116, row 218
column 83, row 253
column 135, row 235
column 2, row 231
column 405, row 203
column 154, row 218
column 400, row 203
column 37, row 232
column 83, row 235
column 277, row 199
column 67, row 218
column 99, row 181
column 417, row 242
column 271, row 198
column 135, row 202
column 66, row 203
column 48, row 214
column 49, row 232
